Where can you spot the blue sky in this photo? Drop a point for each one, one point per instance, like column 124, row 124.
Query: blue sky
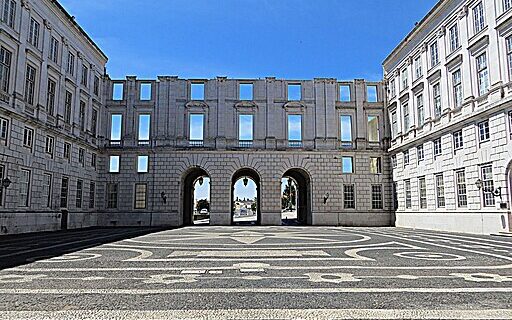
column 294, row 39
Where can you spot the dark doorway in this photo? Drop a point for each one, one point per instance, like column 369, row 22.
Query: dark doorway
column 196, row 198
column 296, row 198
column 245, row 198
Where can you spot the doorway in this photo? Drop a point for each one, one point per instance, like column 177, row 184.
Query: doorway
column 245, row 198
column 196, row 197
column 296, row 198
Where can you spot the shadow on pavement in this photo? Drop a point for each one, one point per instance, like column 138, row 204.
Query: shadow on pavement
column 16, row 250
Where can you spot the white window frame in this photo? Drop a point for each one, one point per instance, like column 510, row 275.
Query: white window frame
column 461, row 188
column 482, row 70
column 440, row 192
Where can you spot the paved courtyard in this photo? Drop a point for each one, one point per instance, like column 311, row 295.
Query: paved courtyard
column 255, row 272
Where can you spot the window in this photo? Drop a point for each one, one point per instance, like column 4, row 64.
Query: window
column 2, row 176
column 93, row 160
column 81, row 156
column 405, row 80
column 394, row 163
column 28, row 137
column 67, row 151
column 117, row 91
column 50, row 97
column 68, row 104
column 436, row 93
column 487, row 186
column 140, row 195
column 344, row 93
column 5, row 71
column 483, row 74
column 460, row 180
column 245, row 129
column 246, row 91
column 30, row 84
column 92, row 195
column 408, row 195
column 509, row 56
column 457, row 88
column 375, row 165
column 144, row 128
column 392, row 89
column 478, row 17
column 9, row 13
column 79, row 193
column 418, row 68
column 438, row 149
column 196, row 128
column 24, row 191
column 371, row 93
column 395, row 196
column 94, row 122
column 394, row 124
column 33, row 33
column 54, row 50
column 373, row 129
column 377, row 197
column 458, row 141
column 47, row 189
column 71, row 64
column 347, row 164
column 142, row 164
column 145, row 91
column 483, row 129
column 294, row 92
column 406, row 157
column 422, row 192
column 112, row 195
column 421, row 110
column 4, row 129
column 114, row 164
column 407, row 123
column 96, row 85
column 510, row 122
column 420, row 153
column 434, row 55
column 197, row 91
column 81, row 119
column 64, row 186
column 440, row 190
column 116, row 125
column 349, row 199
column 50, row 142
column 346, row 130
column 454, row 38
column 85, row 75
column 295, row 130
column 507, row 4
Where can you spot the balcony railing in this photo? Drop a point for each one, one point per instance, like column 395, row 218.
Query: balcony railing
column 196, row 143
column 295, row 144
column 245, row 143
column 116, row 143
column 143, row 143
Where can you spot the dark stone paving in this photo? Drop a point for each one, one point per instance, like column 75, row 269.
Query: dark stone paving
column 263, row 269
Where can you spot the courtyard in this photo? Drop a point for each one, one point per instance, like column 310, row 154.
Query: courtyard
column 255, row 272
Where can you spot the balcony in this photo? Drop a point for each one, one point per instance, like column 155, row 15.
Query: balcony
column 245, row 143
column 196, row 143
column 143, row 143
column 295, row 144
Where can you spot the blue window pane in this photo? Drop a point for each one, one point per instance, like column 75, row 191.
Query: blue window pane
column 294, row 127
column 246, row 91
column 117, row 92
column 145, row 91
column 144, row 125
column 371, row 93
column 114, row 164
column 116, row 125
column 142, row 164
column 347, row 165
column 197, row 91
column 344, row 93
column 245, row 127
column 346, row 128
column 196, row 126
column 294, row 92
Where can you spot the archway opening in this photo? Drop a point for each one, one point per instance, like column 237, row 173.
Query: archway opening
column 296, row 198
column 196, row 198
column 245, row 195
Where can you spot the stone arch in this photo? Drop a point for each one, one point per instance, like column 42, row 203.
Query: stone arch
column 188, row 180
column 254, row 175
column 304, row 209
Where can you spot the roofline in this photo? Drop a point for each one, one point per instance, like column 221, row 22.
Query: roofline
column 413, row 31
column 72, row 20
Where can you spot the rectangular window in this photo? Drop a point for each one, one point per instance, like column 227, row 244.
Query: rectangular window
column 421, row 110
column 67, row 151
column 145, row 91
column 438, row 149
column 68, row 105
column 81, row 156
column 509, row 56
column 510, row 122
column 142, row 164
column 407, row 123
column 457, row 88
column 71, row 64
column 483, row 74
column 94, row 122
column 246, row 92
column 112, row 195
column 9, row 13
column 346, row 130
column 28, row 137
column 50, row 142
column 434, row 55
column 144, row 128
column 394, row 124
column 478, row 17
column 507, row 4
column 47, row 189
column 436, row 93
column 420, row 152
column 30, row 84
column 347, row 164
column 82, row 115
column 79, row 193
column 85, row 76
column 487, row 185
column 92, row 195
column 408, row 195
column 2, row 176
column 294, row 92
column 5, row 72
column 377, row 197
column 458, row 141
column 371, row 93
column 140, row 195
column 373, row 129
column 460, row 180
column 440, row 190
column 454, row 38
column 405, row 80
column 295, row 130
column 54, row 50
column 50, row 97
column 93, row 160
column 483, row 130
column 113, row 164
column 24, row 191
column 116, row 126
column 4, row 129
column 392, row 89
column 96, row 85
column 422, row 186
column 117, row 91
column 406, row 157
column 64, row 188
column 375, row 165
column 245, row 128
column 394, row 163
column 418, row 68
column 349, row 199
column 196, row 127
column 33, row 33
column 345, row 93
column 197, row 91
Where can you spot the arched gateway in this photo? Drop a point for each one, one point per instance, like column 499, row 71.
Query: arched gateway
column 192, row 212
column 245, row 197
column 298, row 199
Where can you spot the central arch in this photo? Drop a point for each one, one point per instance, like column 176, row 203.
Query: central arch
column 192, row 179
column 248, row 209
column 300, row 181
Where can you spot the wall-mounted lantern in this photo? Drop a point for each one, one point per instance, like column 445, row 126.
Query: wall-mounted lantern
column 246, row 181
column 200, row 180
column 6, row 183
column 326, row 197
column 163, row 196
column 495, row 192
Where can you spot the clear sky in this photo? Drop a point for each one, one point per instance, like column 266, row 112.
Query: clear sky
column 294, row 39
